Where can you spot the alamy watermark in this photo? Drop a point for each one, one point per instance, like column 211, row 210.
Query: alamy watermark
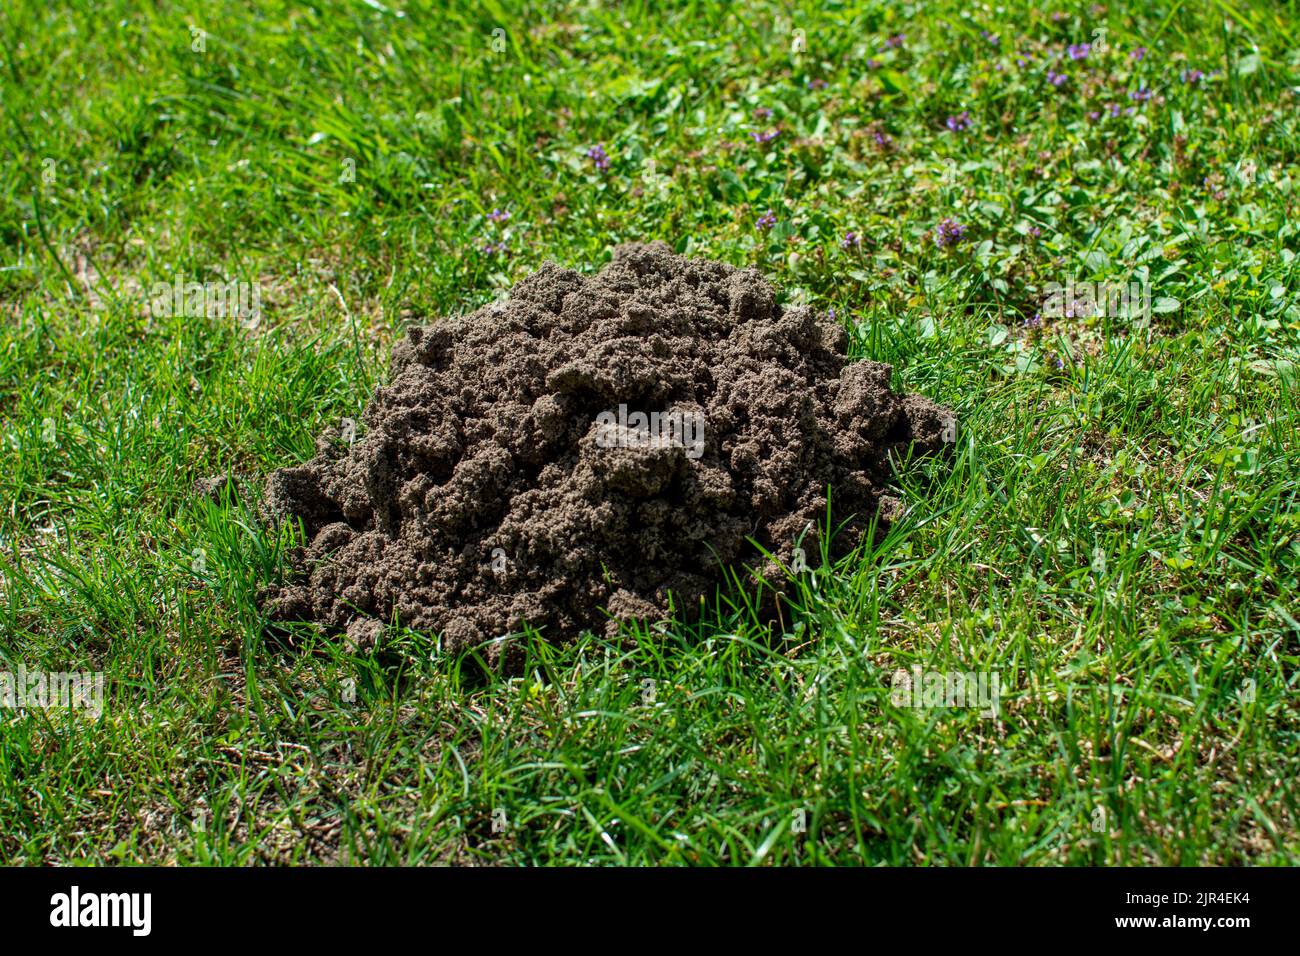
column 76, row 908
column 1115, row 300
column 643, row 429
column 48, row 690
column 206, row 300
column 923, row 689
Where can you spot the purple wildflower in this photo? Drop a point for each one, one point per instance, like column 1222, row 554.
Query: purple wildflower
column 1035, row 321
column 1192, row 77
column 872, row 64
column 598, row 156
column 1141, row 94
column 959, row 122
column 1137, row 53
column 1079, row 51
column 851, row 240
column 949, row 233
column 763, row 112
column 883, row 140
column 498, row 215
column 766, row 137
column 992, row 38
column 1056, row 79
column 817, row 83
column 896, row 41
column 767, row 220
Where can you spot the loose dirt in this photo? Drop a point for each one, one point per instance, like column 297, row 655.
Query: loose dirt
column 504, row 475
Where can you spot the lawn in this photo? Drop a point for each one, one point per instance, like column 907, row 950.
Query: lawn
column 1115, row 535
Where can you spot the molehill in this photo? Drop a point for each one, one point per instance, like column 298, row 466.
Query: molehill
column 593, row 450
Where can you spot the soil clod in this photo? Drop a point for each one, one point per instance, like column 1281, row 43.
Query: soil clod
column 573, row 455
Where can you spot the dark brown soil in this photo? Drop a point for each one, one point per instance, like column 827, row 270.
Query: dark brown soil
column 486, row 488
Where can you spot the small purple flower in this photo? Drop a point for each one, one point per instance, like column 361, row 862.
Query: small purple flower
column 1093, row 116
column 1035, row 231
column 817, row 83
column 766, row 221
column 763, row 112
column 1192, row 77
column 1035, row 321
column 491, row 249
column 1079, row 51
column 1137, row 53
column 1114, row 109
column 598, row 156
column 883, row 140
column 1141, row 94
column 766, row 137
column 498, row 215
column 1056, row 79
column 949, row 233
column 851, row 240
column 896, row 41
column 959, row 122
column 992, row 38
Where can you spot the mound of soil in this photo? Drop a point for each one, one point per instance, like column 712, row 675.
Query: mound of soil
column 504, row 474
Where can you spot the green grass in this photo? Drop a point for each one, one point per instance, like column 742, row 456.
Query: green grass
column 1116, row 535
